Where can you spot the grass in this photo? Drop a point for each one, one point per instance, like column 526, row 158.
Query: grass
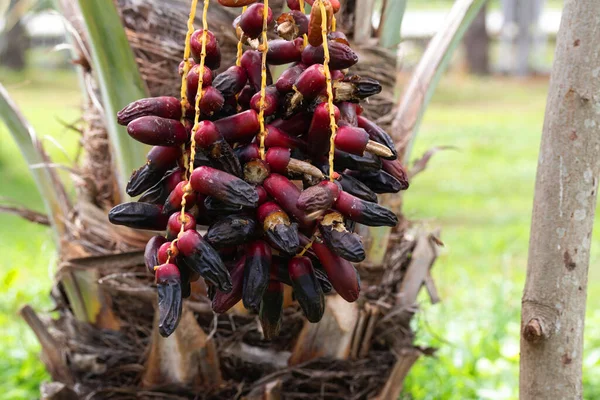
column 480, row 196
column 28, row 253
column 446, row 4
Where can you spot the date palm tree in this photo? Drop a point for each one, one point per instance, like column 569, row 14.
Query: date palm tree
column 104, row 340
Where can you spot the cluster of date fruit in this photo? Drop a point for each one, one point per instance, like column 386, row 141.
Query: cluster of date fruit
column 231, row 164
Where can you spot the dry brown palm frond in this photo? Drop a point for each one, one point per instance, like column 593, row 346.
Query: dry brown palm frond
column 26, row 213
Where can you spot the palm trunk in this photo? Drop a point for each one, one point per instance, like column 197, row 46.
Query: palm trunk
column 226, row 355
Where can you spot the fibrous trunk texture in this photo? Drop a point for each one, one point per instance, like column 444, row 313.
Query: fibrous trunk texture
column 563, row 213
column 156, row 31
column 353, row 355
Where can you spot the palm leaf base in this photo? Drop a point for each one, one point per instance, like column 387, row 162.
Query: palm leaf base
column 358, row 351
column 104, row 344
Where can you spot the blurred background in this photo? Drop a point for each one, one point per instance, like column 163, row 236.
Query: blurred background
column 489, row 107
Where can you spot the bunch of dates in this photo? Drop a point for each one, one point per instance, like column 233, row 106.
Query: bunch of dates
column 273, row 219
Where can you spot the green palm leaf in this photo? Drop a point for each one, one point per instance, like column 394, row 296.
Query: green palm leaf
column 119, row 80
column 49, row 186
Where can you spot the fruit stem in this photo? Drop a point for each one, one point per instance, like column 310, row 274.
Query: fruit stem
column 186, row 57
column 189, row 167
column 238, row 58
column 200, row 84
column 307, row 247
column 186, row 66
column 304, row 36
column 330, row 108
column 264, row 47
column 170, row 252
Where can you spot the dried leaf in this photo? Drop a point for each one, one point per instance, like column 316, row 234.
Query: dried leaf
column 27, row 214
column 421, row 163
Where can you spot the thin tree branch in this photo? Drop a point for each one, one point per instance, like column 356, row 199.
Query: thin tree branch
column 554, row 298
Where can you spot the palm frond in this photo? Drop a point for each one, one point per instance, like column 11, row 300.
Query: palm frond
column 428, row 72
column 118, row 79
column 49, row 186
column 391, row 22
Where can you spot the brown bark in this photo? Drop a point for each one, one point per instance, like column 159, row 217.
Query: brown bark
column 331, row 337
column 563, row 214
column 188, row 357
column 362, row 21
column 53, row 356
column 188, row 362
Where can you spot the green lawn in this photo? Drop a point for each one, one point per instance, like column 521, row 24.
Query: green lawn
column 446, row 4
column 27, row 250
column 480, row 196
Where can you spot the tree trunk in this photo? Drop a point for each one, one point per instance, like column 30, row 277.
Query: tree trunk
column 363, row 27
column 520, row 36
column 225, row 357
column 553, row 302
column 525, row 22
column 506, row 58
column 477, row 44
column 14, row 41
column 12, row 51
